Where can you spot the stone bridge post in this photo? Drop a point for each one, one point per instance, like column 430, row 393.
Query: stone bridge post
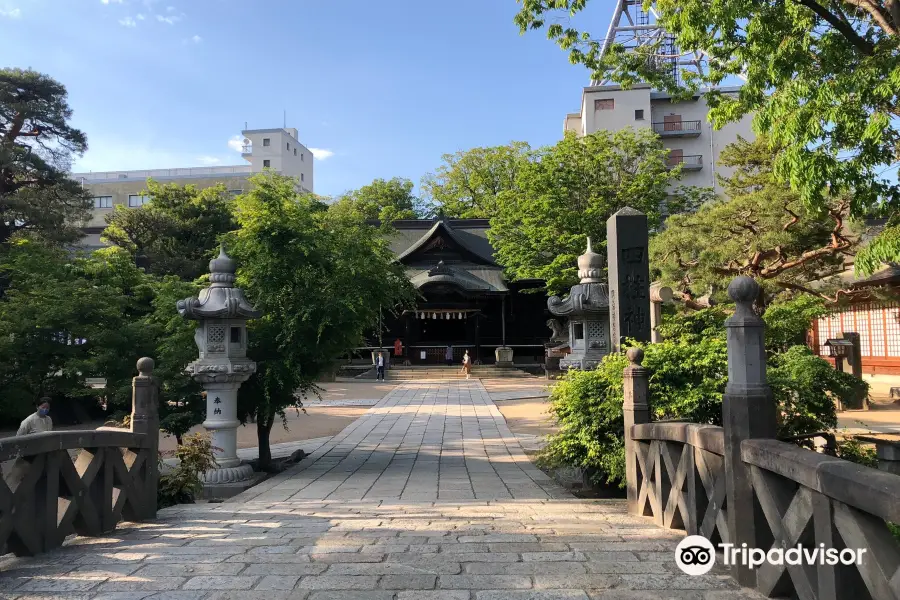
column 145, row 419
column 748, row 411
column 635, row 410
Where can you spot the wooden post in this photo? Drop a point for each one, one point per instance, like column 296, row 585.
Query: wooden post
column 145, row 419
column 748, row 411
column 635, row 410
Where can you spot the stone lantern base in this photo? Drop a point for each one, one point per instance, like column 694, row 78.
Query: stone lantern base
column 504, row 357
column 227, row 482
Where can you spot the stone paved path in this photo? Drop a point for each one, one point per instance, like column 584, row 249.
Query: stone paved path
column 426, row 497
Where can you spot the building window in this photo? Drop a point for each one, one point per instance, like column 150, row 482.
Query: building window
column 301, row 177
column 301, row 157
column 579, row 331
column 137, row 200
column 103, row 202
column 295, row 152
column 235, row 335
column 605, row 104
column 289, row 146
column 266, row 142
column 267, row 163
column 639, row 114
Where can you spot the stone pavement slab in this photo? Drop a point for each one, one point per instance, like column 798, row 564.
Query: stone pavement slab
column 427, row 496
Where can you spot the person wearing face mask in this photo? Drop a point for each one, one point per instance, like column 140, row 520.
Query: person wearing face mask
column 38, row 421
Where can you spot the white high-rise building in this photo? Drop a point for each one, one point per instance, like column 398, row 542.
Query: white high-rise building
column 682, row 125
column 278, row 150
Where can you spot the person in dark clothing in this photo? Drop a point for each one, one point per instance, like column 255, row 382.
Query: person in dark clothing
column 379, row 367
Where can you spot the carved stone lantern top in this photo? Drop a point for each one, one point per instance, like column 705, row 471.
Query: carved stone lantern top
column 590, row 266
column 590, row 297
column 221, row 300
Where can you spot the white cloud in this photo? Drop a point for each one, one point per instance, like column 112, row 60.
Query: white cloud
column 321, row 153
column 209, row 160
column 171, row 20
column 128, row 22
column 140, row 17
column 236, row 143
column 196, row 39
column 13, row 13
column 170, row 9
column 111, row 1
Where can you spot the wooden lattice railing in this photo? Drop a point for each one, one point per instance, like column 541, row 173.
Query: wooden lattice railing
column 738, row 485
column 81, row 482
column 681, row 481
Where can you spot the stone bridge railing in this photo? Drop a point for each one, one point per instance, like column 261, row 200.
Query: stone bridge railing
column 737, row 484
column 81, row 482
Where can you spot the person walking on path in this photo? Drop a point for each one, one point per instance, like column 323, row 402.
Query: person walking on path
column 38, row 421
column 467, row 364
column 379, row 367
column 448, row 355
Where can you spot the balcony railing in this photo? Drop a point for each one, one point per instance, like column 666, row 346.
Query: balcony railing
column 248, row 149
column 677, row 128
column 161, row 173
column 690, row 162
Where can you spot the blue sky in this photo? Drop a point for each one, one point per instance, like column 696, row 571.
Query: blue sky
column 383, row 88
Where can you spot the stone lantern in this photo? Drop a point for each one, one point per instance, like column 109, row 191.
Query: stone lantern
column 222, row 312
column 587, row 308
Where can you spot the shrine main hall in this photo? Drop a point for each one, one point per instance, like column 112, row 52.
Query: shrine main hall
column 464, row 300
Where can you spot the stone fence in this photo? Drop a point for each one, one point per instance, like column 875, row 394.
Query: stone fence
column 81, row 482
column 738, row 485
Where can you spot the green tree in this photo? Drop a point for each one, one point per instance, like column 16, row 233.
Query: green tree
column 36, row 149
column 466, row 186
column 567, row 192
column 885, row 248
column 320, row 279
column 383, row 200
column 688, row 374
column 176, row 232
column 821, row 79
column 66, row 318
column 762, row 230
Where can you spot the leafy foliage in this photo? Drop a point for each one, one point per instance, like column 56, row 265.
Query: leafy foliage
column 36, row 149
column 176, row 232
column 382, row 200
column 565, row 193
column 467, row 185
column 821, row 79
column 688, row 375
column 885, row 248
column 182, row 485
column 320, row 278
column 763, row 230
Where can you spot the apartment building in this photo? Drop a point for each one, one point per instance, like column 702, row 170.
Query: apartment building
column 682, row 126
column 276, row 149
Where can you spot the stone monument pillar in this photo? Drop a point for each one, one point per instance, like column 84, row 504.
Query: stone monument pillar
column 629, row 277
column 587, row 308
column 222, row 312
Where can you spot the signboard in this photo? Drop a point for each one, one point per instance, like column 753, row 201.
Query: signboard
column 422, row 355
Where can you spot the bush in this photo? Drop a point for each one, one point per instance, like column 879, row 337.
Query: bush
column 182, row 484
column 688, row 374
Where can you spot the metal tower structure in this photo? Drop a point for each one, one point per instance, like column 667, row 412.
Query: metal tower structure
column 633, row 28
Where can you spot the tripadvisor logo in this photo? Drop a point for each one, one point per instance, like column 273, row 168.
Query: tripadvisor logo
column 696, row 555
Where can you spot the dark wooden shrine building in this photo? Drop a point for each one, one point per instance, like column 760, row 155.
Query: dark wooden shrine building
column 464, row 300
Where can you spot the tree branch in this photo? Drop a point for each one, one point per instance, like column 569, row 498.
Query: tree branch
column 879, row 14
column 844, row 28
